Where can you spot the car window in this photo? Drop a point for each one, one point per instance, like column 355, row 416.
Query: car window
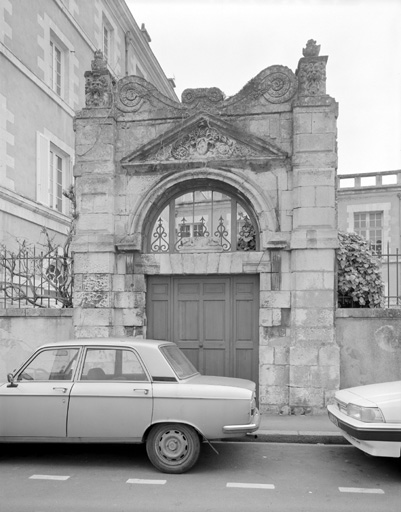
column 178, row 361
column 53, row 364
column 112, row 364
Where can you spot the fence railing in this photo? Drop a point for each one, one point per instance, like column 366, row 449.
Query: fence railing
column 390, row 264
column 32, row 279
column 35, row 279
column 391, row 273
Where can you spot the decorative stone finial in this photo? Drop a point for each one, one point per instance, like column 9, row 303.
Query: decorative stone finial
column 98, row 83
column 311, row 71
column 312, row 49
column 99, row 63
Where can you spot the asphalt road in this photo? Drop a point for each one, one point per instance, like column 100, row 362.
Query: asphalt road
column 243, row 477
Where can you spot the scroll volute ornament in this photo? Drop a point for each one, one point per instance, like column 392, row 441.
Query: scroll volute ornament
column 98, row 83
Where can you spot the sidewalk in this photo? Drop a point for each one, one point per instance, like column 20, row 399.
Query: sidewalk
column 297, row 429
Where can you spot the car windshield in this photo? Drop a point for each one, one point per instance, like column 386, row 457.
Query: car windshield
column 178, row 361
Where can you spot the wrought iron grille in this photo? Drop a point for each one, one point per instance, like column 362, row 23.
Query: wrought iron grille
column 216, row 218
column 32, row 279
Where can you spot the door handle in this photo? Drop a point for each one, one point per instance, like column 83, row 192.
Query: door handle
column 144, row 391
column 63, row 390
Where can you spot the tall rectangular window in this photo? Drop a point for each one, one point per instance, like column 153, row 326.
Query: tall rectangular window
column 370, row 226
column 56, row 181
column 56, row 68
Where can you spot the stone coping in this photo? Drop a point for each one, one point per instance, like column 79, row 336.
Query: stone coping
column 36, row 312
column 368, row 313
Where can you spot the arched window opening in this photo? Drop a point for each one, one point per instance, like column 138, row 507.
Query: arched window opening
column 203, row 220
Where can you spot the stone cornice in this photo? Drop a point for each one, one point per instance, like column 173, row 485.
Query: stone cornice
column 22, row 207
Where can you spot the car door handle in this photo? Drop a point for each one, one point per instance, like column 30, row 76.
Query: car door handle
column 144, row 391
column 63, row 390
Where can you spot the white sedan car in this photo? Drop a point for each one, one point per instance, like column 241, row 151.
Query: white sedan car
column 124, row 391
column 369, row 417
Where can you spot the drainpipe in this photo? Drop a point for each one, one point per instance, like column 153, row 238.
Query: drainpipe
column 128, row 39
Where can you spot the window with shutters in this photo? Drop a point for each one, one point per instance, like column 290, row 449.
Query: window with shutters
column 54, row 174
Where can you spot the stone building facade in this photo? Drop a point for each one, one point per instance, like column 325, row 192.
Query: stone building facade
column 212, row 222
column 45, row 48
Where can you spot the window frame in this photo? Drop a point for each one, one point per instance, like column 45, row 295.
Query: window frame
column 370, row 229
column 235, row 200
column 77, row 357
column 116, row 349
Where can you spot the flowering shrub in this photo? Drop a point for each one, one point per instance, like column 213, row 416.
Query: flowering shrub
column 360, row 283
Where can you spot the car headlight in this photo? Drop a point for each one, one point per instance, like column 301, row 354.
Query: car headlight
column 365, row 414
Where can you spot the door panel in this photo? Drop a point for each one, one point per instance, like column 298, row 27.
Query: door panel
column 214, row 320
column 34, row 409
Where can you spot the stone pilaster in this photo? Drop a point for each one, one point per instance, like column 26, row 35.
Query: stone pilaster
column 314, row 354
column 94, row 170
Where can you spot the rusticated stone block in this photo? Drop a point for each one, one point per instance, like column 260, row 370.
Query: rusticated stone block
column 329, row 355
column 307, row 397
column 92, row 299
column 311, row 317
column 325, row 377
column 265, row 317
column 313, row 299
column 281, row 355
column 304, row 356
column 133, row 316
column 95, row 317
column 276, row 395
column 319, row 260
column 314, row 334
column 275, row 299
column 274, row 375
column 266, row 356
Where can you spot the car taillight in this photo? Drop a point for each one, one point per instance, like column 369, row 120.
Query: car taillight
column 253, row 404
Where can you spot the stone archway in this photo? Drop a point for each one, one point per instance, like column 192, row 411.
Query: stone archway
column 160, row 193
column 272, row 144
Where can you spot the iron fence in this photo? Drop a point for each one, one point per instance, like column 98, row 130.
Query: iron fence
column 391, row 273
column 390, row 265
column 35, row 279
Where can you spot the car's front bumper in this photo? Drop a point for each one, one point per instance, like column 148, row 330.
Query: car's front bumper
column 244, row 429
column 376, row 439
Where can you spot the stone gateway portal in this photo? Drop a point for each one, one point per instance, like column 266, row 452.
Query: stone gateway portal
column 212, row 223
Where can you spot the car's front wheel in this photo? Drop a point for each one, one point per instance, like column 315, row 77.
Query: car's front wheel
column 173, row 448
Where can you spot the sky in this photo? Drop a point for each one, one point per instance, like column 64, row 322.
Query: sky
column 225, row 43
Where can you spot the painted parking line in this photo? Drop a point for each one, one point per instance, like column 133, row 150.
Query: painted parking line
column 361, row 490
column 146, row 482
column 49, row 477
column 250, row 486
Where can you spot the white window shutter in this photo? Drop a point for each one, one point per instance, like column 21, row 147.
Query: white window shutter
column 42, row 169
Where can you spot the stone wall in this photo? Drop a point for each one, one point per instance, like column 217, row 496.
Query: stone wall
column 23, row 330
column 370, row 345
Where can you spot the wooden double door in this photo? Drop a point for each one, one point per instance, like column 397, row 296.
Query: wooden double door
column 213, row 319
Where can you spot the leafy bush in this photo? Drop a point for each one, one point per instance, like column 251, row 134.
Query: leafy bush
column 360, row 284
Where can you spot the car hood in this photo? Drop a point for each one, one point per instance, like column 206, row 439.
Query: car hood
column 385, row 395
column 223, row 381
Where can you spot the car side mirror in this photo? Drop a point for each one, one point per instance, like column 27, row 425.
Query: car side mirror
column 10, row 378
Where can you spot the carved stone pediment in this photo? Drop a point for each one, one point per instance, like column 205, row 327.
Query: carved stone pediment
column 203, row 137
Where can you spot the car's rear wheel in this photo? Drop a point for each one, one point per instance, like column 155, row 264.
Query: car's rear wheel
column 173, row 448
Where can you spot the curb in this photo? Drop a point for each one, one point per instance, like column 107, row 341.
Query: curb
column 292, row 437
